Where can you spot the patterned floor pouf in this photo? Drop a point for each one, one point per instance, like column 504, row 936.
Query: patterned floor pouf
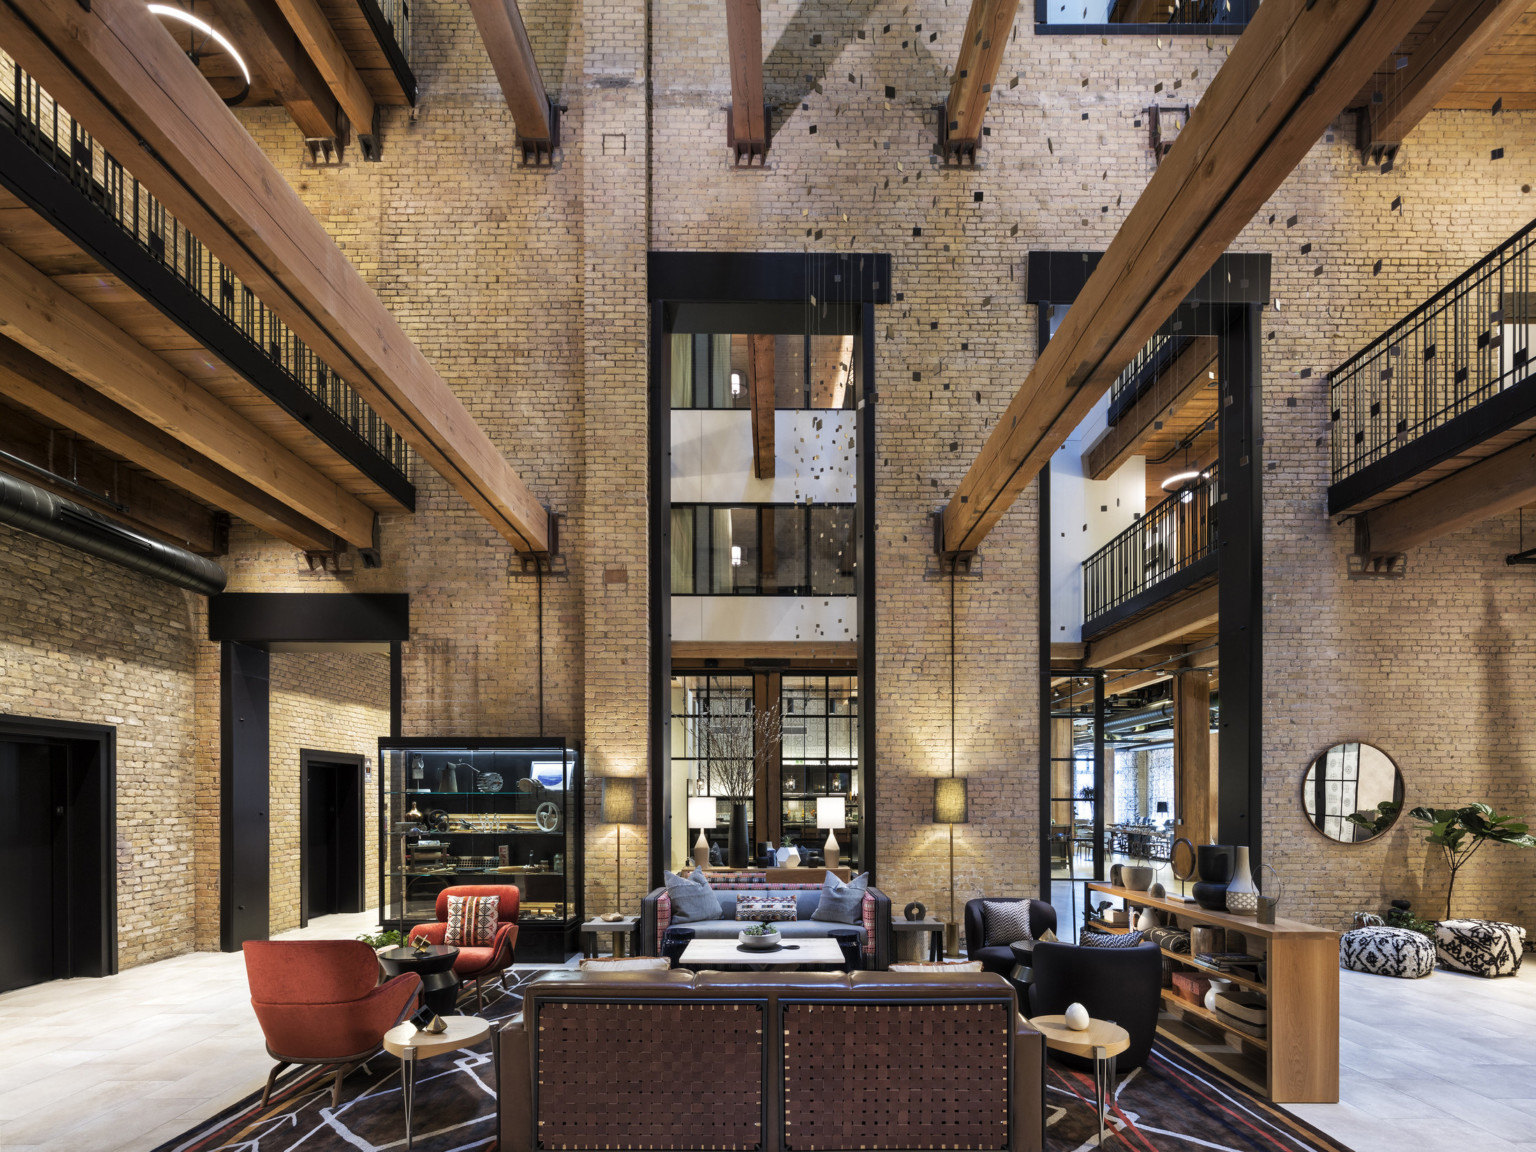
column 1387, row 952
column 1481, row 947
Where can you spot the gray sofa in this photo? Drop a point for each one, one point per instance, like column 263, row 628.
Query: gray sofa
column 874, row 927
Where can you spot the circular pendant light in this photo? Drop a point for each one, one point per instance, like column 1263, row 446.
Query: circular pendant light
column 208, row 30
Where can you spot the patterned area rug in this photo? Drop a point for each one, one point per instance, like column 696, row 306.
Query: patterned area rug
column 1169, row 1105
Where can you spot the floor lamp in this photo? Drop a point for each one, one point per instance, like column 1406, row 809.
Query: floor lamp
column 618, row 808
column 951, row 806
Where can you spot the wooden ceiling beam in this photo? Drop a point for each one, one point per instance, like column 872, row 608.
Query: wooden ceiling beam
column 1166, row 624
column 1494, row 486
column 747, row 120
column 987, row 30
column 123, row 77
column 506, row 39
column 42, row 317
column 760, row 397
column 1290, row 73
column 1175, row 386
column 313, row 29
column 1458, row 40
column 34, row 383
column 273, row 49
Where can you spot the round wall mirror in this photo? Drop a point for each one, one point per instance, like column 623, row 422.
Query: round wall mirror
column 1352, row 793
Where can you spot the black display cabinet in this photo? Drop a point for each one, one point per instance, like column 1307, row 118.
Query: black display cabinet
column 491, row 811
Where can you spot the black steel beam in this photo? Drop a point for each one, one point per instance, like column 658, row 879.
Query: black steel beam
column 659, row 592
column 261, row 618
column 63, row 205
column 864, row 519
column 1235, row 278
column 244, row 827
column 841, row 278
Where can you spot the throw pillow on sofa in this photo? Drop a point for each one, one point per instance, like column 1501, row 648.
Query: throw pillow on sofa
column 842, row 903
column 1005, row 921
column 471, row 921
column 692, row 898
column 765, row 909
column 1109, row 939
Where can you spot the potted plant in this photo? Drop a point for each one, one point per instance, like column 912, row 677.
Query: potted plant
column 383, row 941
column 1460, row 832
column 737, row 745
column 763, row 935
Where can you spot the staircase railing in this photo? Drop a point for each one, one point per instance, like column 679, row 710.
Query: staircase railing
column 1465, row 344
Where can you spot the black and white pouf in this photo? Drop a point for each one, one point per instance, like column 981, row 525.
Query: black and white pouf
column 1481, row 947
column 1387, row 952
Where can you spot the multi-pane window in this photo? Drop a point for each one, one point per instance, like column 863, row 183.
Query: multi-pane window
column 763, row 549
column 710, row 370
column 1169, row 15
column 819, row 752
column 698, row 703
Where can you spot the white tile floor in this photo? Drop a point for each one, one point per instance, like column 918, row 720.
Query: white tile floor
column 125, row 1063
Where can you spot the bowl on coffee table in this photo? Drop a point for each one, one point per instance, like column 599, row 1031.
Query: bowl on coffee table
column 760, row 936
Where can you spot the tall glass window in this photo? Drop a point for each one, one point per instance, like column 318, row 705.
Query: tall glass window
column 809, row 372
column 769, row 549
column 820, row 755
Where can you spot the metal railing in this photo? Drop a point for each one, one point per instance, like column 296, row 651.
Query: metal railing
column 1166, row 541
column 49, row 131
column 397, row 14
column 1466, row 343
column 1150, row 361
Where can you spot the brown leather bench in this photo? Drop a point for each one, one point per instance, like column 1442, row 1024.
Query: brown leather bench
column 776, row 1061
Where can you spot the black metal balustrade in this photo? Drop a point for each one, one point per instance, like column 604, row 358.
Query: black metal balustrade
column 1169, row 541
column 1150, row 361
column 52, row 134
column 1459, row 349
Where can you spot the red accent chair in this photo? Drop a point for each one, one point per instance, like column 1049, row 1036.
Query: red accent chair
column 478, row 963
column 320, row 1002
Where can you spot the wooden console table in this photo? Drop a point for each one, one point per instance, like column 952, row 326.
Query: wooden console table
column 1297, row 1061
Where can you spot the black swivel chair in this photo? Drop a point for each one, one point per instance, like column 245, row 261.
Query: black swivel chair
column 1123, row 985
column 1000, row 958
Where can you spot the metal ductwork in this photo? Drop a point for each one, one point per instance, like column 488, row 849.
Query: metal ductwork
column 1157, row 719
column 41, row 513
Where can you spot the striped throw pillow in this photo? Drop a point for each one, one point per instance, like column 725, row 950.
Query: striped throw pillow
column 765, row 909
column 1109, row 939
column 1005, row 921
column 471, row 921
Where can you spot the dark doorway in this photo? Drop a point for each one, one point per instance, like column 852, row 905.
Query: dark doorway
column 55, row 820
column 331, row 834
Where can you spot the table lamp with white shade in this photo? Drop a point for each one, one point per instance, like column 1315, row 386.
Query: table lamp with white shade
column 702, row 813
column 831, row 814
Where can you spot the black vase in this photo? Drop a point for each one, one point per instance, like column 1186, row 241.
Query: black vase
column 1211, row 897
column 1213, row 864
column 738, row 841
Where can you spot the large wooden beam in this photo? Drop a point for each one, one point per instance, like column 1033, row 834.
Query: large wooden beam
column 1494, row 486
column 1289, row 75
column 313, row 28
column 987, row 29
column 1467, row 30
column 1165, row 624
column 511, row 52
column 748, row 121
column 43, row 318
column 260, row 30
column 1174, row 387
column 1194, row 779
column 760, row 397
column 128, row 83
column 34, row 383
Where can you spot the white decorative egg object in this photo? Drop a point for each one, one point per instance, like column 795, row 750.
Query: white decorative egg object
column 1147, row 921
column 1077, row 1017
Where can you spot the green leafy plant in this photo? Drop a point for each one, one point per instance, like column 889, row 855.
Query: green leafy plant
column 1460, row 832
column 762, row 929
column 390, row 939
column 1383, row 818
column 1403, row 918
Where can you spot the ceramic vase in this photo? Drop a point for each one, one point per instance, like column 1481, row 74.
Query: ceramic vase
column 1242, row 893
column 1218, row 985
column 738, row 836
column 1137, row 877
column 1213, row 864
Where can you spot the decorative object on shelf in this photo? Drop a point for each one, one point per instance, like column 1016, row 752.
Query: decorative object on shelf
column 437, row 820
column 489, row 782
column 1214, row 867
column 1218, row 985
column 1460, row 832
column 789, row 783
column 1270, row 892
column 1117, row 875
column 1157, row 891
column 549, row 774
column 763, row 936
column 831, row 814
column 1147, row 920
column 1076, row 1017
column 413, row 814
column 703, row 813
column 436, row 1026
column 788, row 856
column 915, row 911
column 1242, row 893
column 1137, row 877
column 1352, row 793
column 421, row 944
column 418, row 768
column 547, row 816
column 737, row 836
column 1185, row 871
column 448, row 777
column 619, row 807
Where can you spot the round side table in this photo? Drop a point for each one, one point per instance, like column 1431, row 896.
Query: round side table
column 404, row 1041
column 1100, row 1042
column 439, row 982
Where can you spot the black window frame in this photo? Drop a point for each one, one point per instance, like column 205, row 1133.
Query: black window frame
column 701, row 556
column 1043, row 26
column 701, row 381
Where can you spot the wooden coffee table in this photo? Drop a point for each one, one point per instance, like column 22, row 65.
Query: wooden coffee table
column 725, row 953
column 404, row 1041
column 1100, row 1042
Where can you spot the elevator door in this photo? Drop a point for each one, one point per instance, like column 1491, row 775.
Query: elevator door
column 32, row 797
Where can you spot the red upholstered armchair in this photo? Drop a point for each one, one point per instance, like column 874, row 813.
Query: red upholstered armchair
column 320, row 1002
column 478, row 963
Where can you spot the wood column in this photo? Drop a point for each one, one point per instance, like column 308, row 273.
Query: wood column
column 1194, row 782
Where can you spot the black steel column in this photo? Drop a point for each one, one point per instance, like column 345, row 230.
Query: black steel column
column 244, row 877
column 865, row 520
column 1240, row 568
column 659, row 591
column 1043, row 638
column 1100, row 872
column 396, row 688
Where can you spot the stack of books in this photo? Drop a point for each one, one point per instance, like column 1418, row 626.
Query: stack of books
column 1239, row 962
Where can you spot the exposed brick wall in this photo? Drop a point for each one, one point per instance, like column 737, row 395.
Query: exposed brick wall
column 85, row 641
